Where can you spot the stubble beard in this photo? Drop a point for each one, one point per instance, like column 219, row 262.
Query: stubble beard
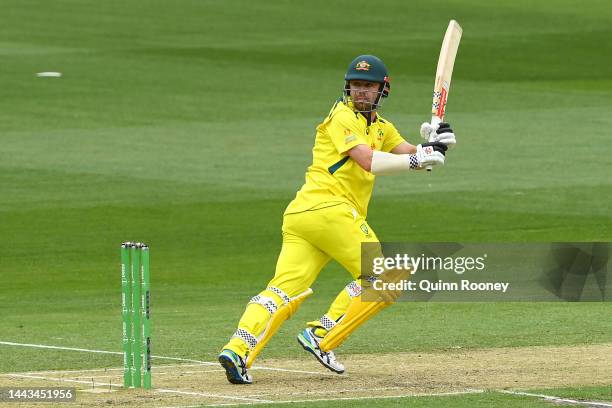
column 364, row 106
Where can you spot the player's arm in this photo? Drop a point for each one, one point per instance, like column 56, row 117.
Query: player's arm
column 439, row 138
column 382, row 163
column 362, row 155
column 346, row 135
column 404, row 148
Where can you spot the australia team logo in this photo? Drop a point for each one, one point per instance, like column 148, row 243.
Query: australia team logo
column 362, row 66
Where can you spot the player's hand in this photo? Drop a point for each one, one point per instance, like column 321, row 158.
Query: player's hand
column 438, row 133
column 428, row 154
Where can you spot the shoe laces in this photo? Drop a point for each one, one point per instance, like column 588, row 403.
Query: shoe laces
column 242, row 365
column 331, row 357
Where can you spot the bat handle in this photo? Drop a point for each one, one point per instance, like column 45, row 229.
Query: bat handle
column 435, row 120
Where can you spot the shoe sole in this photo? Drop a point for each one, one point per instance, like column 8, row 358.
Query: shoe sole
column 231, row 371
column 308, row 349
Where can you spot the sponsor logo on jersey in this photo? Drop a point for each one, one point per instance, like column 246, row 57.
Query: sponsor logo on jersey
column 365, row 229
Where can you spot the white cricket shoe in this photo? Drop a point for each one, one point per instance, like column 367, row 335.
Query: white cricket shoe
column 310, row 342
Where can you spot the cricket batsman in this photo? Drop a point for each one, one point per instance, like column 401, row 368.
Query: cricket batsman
column 327, row 220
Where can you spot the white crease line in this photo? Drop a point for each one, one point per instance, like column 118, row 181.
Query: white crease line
column 206, row 394
column 43, row 346
column 352, row 390
column 92, row 370
column 159, row 366
column 155, row 372
column 185, row 406
column 559, row 399
column 159, row 390
column 81, row 377
column 39, row 377
column 180, row 365
column 441, row 394
column 119, row 376
column 287, row 370
column 10, row 343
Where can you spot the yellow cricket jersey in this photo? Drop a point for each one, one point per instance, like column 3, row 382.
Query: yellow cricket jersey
column 333, row 176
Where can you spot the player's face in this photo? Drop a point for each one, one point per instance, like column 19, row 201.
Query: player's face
column 364, row 94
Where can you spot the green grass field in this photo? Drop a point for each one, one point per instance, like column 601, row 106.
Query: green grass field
column 189, row 125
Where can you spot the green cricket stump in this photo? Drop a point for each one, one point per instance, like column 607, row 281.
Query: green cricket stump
column 146, row 316
column 136, row 315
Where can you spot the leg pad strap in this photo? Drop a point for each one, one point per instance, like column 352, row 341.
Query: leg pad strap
column 244, row 335
column 359, row 311
column 267, row 302
column 283, row 313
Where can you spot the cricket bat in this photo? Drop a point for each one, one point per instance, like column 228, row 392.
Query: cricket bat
column 444, row 72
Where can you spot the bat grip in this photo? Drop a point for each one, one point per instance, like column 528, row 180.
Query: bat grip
column 435, row 120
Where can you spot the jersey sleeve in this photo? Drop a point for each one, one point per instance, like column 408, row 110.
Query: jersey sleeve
column 392, row 138
column 345, row 131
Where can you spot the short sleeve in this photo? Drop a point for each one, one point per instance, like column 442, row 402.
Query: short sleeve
column 345, row 131
column 392, row 138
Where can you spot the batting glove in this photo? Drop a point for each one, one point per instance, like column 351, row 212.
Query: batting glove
column 428, row 154
column 441, row 133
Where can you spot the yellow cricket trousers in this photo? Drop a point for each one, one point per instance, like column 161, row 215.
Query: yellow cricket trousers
column 310, row 239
